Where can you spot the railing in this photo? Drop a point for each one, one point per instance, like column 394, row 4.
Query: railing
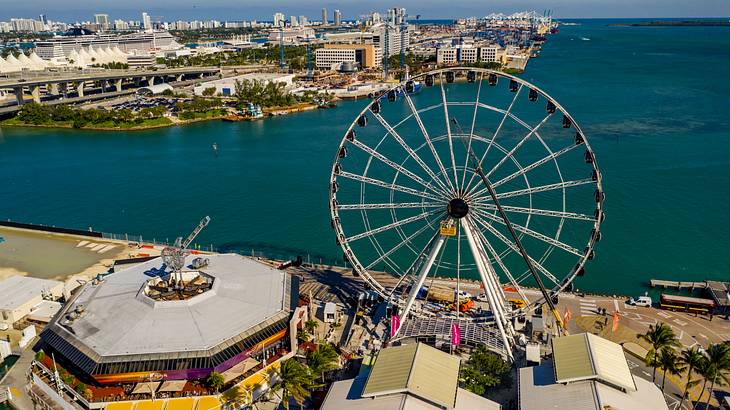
column 268, row 253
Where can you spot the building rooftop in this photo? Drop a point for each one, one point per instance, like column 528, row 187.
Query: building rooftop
column 588, row 357
column 417, row 369
column 117, row 318
column 347, row 394
column 539, row 391
column 16, row 291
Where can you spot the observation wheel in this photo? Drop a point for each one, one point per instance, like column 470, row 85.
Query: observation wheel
column 470, row 174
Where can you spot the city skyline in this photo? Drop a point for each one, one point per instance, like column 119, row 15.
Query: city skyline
column 168, row 10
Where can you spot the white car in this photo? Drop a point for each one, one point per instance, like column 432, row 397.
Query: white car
column 482, row 297
column 644, row 301
column 464, row 295
column 4, row 326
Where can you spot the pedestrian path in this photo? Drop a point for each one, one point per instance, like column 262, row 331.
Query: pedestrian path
column 96, row 247
column 588, row 307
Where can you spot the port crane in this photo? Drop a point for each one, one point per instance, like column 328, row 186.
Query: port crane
column 174, row 256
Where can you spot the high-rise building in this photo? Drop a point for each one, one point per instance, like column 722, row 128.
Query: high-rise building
column 279, row 19
column 337, row 17
column 391, row 39
column 293, row 21
column 121, row 25
column 43, row 20
column 102, row 20
column 391, row 16
column 303, row 21
column 324, row 17
column 146, row 22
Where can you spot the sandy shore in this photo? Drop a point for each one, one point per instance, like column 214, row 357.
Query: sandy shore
column 73, row 259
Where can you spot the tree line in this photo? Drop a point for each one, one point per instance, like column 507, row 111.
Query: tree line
column 39, row 114
column 711, row 367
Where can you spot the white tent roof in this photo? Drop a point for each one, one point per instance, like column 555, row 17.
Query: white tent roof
column 38, row 61
column 78, row 60
column 12, row 64
column 84, row 57
column 94, row 57
column 24, row 61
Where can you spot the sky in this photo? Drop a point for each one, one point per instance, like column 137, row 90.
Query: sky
column 169, row 10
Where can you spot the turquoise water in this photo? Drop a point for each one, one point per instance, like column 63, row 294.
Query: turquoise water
column 654, row 102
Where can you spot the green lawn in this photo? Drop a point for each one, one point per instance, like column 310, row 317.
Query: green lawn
column 154, row 122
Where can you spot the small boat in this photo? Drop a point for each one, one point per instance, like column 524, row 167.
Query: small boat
column 254, row 111
column 415, row 88
column 215, row 148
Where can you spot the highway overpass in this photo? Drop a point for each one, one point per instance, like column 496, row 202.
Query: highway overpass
column 70, row 86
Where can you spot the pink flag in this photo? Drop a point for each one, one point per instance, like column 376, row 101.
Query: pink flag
column 455, row 334
column 394, row 325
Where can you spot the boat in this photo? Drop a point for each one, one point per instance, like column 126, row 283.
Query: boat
column 417, row 87
column 254, row 111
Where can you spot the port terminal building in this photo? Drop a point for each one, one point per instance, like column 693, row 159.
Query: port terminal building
column 225, row 313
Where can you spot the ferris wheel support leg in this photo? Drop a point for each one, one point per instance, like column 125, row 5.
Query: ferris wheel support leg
column 495, row 304
column 421, row 278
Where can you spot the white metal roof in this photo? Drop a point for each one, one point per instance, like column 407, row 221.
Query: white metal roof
column 589, row 357
column 120, row 320
column 19, row 290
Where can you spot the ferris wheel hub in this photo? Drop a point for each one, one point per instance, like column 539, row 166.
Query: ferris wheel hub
column 457, row 208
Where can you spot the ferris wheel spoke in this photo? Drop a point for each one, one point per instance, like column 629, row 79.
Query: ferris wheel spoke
column 393, row 225
column 394, row 249
column 519, row 144
column 537, row 211
column 388, row 185
column 527, row 231
column 514, row 248
column 541, row 188
column 394, row 205
column 490, row 249
column 534, row 165
column 448, row 130
column 471, row 132
column 397, row 167
column 407, row 148
column 431, row 147
column 507, row 113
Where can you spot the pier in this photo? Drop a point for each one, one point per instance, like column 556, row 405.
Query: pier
column 679, row 285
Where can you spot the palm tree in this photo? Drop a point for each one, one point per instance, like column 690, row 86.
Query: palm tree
column 718, row 358
column 216, row 381
column 322, row 360
column 236, row 397
column 296, row 380
column 311, row 325
column 669, row 364
column 692, row 359
column 659, row 337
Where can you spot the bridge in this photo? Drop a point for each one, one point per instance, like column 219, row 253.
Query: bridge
column 73, row 86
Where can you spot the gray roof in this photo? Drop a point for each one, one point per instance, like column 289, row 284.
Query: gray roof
column 417, row 369
column 347, row 394
column 585, row 356
column 16, row 291
column 539, row 391
column 119, row 320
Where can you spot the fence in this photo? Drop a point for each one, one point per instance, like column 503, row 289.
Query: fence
column 48, row 228
column 269, row 253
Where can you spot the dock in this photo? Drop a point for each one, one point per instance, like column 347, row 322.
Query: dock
column 677, row 284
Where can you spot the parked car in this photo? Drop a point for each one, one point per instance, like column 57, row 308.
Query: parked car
column 644, row 301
